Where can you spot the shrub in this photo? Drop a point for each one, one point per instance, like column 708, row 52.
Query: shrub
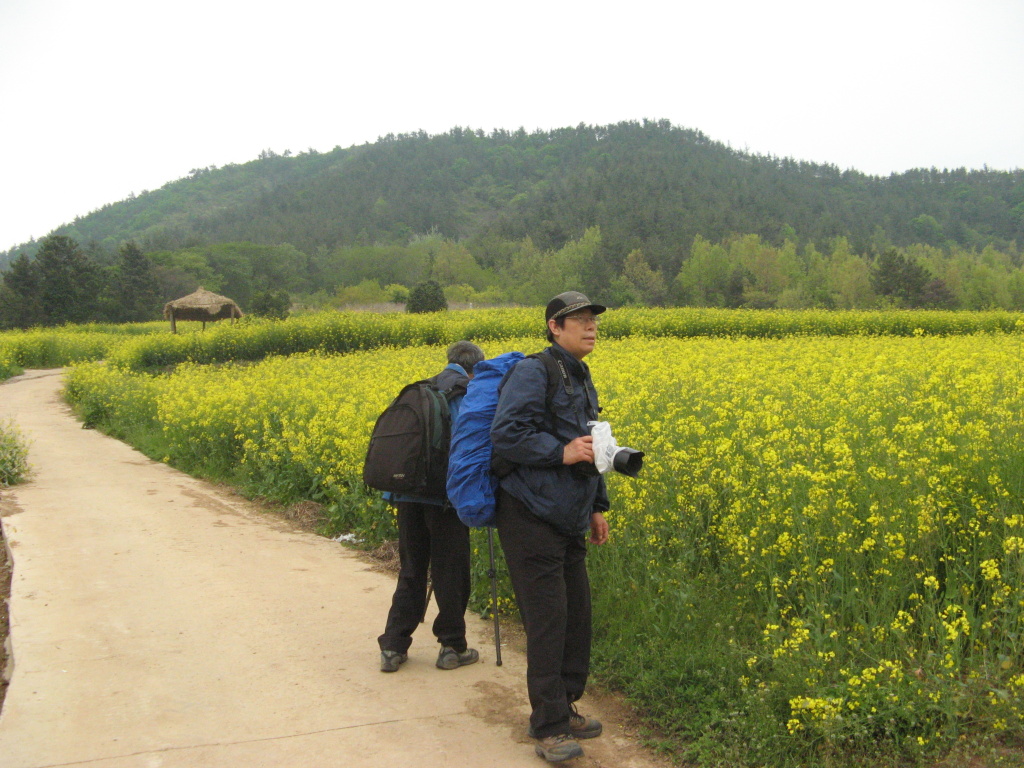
column 273, row 304
column 13, row 455
column 427, row 297
column 8, row 369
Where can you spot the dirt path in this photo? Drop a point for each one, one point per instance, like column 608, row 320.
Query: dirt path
column 159, row 621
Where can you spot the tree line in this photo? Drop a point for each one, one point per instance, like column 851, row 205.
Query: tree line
column 64, row 284
column 648, row 186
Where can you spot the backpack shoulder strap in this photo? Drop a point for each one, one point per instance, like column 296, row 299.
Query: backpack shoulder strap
column 456, row 384
column 557, row 374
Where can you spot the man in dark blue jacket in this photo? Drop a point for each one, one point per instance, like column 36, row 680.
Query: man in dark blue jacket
column 546, row 507
column 431, row 538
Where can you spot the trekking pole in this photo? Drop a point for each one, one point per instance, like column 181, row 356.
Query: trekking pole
column 494, row 598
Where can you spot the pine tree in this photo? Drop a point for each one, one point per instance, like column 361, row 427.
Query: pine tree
column 900, row 278
column 22, row 305
column 427, row 297
column 69, row 282
column 134, row 289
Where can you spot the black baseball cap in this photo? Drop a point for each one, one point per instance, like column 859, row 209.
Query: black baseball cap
column 570, row 301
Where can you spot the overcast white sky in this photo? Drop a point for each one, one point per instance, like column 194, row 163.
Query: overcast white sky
column 103, row 98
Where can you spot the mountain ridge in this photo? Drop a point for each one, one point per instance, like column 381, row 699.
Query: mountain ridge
column 648, row 184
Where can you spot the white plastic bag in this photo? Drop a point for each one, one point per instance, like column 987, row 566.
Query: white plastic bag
column 604, row 445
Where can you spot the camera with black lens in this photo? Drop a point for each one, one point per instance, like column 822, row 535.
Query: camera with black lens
column 609, row 455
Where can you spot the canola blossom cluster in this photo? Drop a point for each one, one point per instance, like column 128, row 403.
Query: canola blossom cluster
column 824, row 553
column 144, row 346
column 67, row 344
column 845, row 514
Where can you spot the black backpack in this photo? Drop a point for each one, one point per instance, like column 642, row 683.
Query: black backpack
column 408, row 452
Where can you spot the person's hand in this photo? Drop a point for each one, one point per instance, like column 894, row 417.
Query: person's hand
column 598, row 528
column 580, row 449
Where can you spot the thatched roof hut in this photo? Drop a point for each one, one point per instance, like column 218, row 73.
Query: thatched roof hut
column 202, row 305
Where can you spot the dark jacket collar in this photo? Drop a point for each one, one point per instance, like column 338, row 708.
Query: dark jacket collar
column 575, row 366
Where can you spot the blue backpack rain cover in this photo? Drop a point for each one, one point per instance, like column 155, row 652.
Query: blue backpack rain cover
column 471, row 484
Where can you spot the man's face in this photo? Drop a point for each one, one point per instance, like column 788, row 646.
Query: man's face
column 578, row 334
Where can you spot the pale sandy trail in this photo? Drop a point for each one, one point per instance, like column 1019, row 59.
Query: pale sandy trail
column 159, row 621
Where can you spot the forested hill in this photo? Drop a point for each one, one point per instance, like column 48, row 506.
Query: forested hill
column 647, row 185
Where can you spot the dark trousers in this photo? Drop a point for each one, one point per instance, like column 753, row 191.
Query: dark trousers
column 548, row 570
column 430, row 538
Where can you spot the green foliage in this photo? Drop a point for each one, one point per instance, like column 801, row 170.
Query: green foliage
column 397, row 293
column 459, row 294
column 272, row 304
column 647, row 185
column 926, row 230
column 21, row 295
column 745, row 271
column 364, row 512
column 69, row 282
column 426, row 297
column 9, row 369
column 238, row 270
column 453, row 264
column 899, row 278
column 367, row 293
column 133, row 292
column 64, row 285
column 385, row 264
column 642, row 284
column 13, row 455
column 533, row 276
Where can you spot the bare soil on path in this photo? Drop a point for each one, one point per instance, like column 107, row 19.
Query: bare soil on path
column 157, row 620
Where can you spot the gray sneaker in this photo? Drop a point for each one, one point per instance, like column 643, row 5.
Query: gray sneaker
column 555, row 749
column 449, row 658
column 390, row 660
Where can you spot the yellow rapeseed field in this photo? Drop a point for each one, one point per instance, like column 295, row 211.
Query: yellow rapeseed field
column 822, row 557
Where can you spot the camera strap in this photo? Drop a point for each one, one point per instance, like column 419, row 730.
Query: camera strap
column 566, row 381
column 554, row 363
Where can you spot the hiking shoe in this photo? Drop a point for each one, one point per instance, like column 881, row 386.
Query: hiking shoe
column 583, row 727
column 555, row 749
column 580, row 726
column 449, row 658
column 389, row 660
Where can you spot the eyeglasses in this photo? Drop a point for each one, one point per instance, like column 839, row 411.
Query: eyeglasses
column 585, row 319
